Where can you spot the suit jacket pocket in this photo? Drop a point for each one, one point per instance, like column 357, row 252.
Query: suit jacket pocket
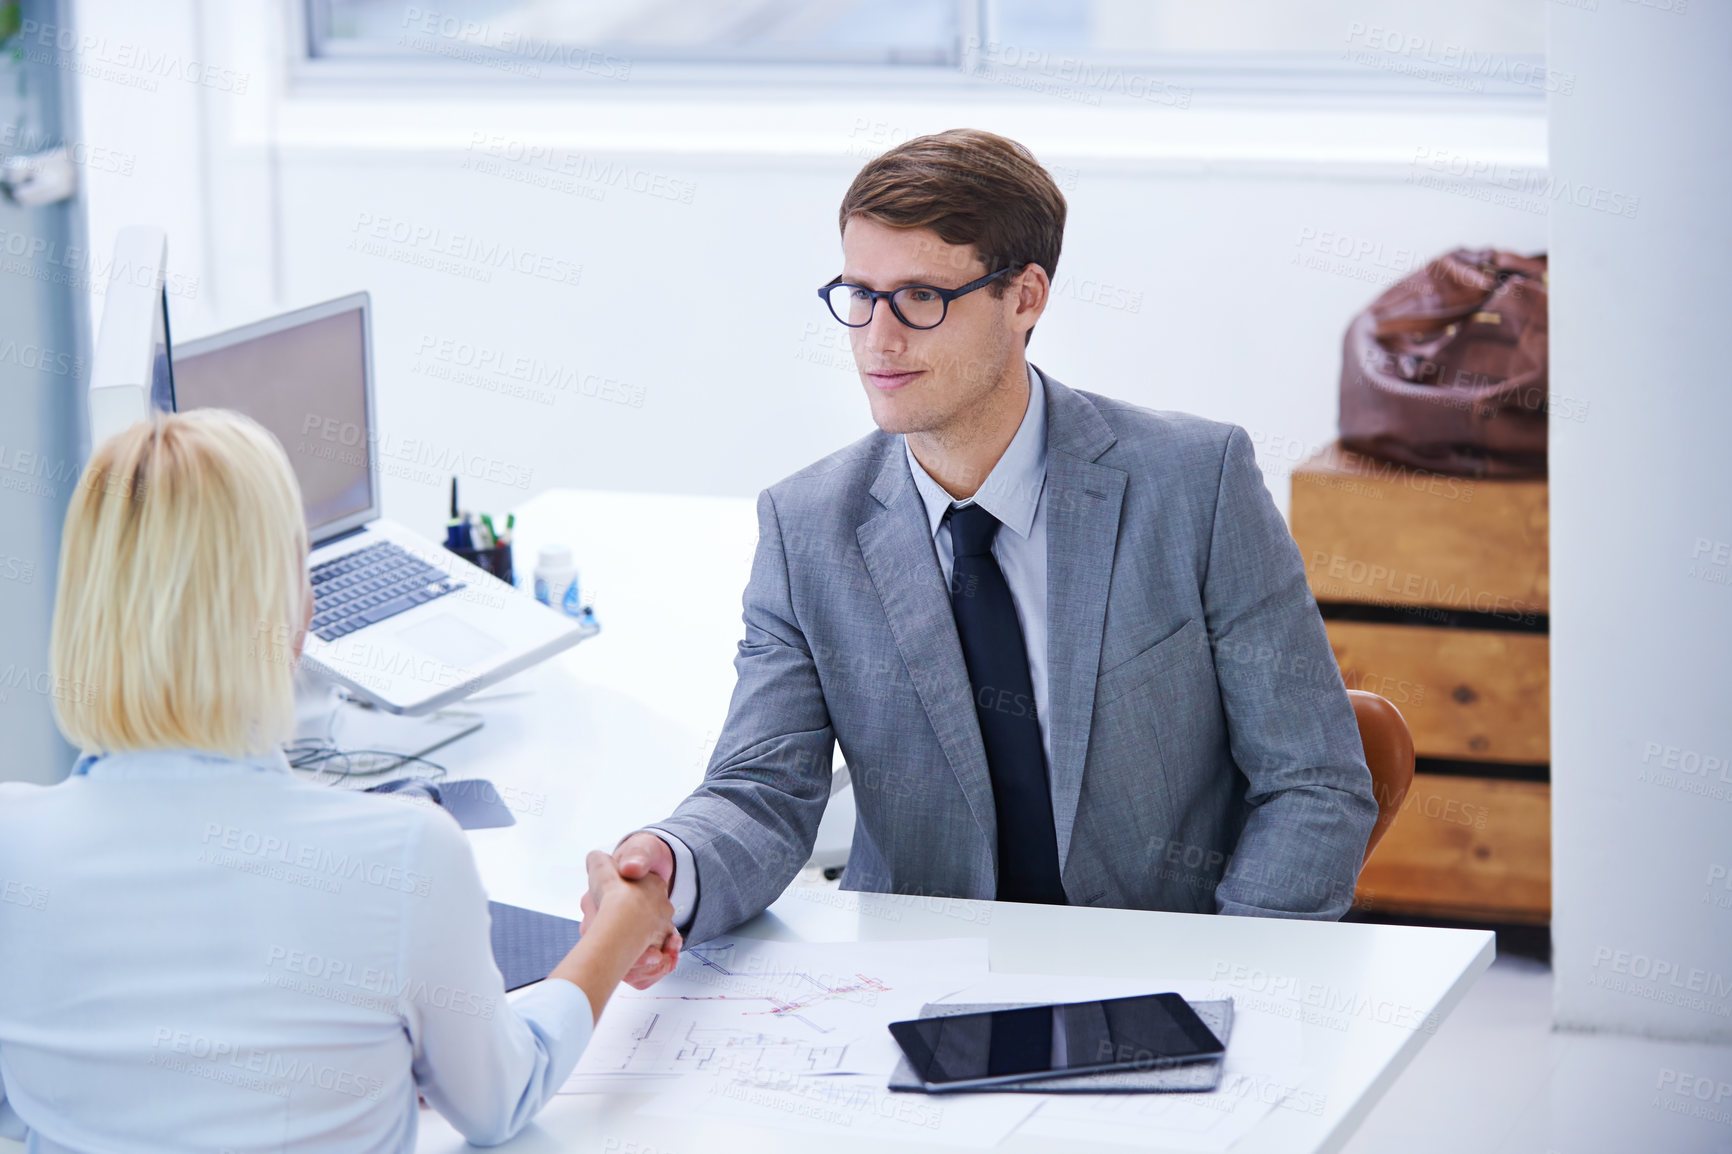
column 1128, row 675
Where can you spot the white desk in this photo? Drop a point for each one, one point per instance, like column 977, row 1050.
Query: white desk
column 616, row 731
column 1403, row 973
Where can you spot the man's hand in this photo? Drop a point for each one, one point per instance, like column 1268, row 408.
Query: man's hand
column 638, row 856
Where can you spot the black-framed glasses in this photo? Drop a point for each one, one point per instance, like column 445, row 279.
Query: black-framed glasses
column 919, row 306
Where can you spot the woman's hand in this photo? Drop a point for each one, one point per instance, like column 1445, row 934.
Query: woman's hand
column 638, row 856
column 628, row 918
column 637, row 910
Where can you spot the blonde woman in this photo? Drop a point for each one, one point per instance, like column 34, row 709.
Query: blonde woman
column 199, row 950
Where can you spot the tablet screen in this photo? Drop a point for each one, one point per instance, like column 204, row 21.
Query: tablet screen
column 1077, row 1037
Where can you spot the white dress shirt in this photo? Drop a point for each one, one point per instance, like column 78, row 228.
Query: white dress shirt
column 1014, row 492
column 202, row 952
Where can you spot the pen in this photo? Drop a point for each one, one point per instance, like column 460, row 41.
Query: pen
column 454, row 538
column 492, row 534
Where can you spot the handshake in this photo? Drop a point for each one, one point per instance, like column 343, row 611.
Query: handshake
column 628, row 901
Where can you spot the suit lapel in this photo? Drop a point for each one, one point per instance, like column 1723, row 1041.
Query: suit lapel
column 897, row 545
column 1083, row 500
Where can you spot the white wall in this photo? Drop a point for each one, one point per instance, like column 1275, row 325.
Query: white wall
column 1642, row 524
column 1183, row 282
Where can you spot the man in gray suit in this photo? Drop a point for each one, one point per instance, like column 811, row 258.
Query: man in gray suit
column 1064, row 643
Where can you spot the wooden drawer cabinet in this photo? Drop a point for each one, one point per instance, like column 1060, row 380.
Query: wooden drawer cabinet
column 1435, row 592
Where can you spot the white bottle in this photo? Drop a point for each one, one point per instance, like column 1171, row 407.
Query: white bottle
column 556, row 580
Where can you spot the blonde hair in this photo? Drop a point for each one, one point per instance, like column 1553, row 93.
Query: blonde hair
column 182, row 578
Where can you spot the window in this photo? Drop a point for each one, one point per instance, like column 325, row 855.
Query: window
column 1088, row 50
column 548, row 32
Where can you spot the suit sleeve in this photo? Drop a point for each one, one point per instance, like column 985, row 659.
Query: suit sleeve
column 488, row 1064
column 752, row 822
column 1290, row 725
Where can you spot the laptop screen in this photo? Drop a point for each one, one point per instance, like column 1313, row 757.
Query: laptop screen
column 303, row 376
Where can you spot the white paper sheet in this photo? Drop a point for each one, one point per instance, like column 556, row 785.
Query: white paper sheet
column 742, row 1007
column 854, row 1105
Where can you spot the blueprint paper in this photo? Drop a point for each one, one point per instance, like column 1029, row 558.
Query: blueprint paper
column 744, row 1007
column 792, row 1035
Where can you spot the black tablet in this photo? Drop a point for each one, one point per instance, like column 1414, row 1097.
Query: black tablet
column 970, row 1050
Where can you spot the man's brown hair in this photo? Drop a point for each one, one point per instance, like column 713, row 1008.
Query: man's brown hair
column 969, row 187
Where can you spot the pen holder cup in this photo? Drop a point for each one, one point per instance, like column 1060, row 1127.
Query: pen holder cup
column 496, row 560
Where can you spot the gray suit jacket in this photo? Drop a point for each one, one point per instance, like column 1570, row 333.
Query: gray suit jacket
column 1205, row 755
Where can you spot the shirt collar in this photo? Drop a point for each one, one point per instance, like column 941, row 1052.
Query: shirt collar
column 1011, row 492
column 174, row 763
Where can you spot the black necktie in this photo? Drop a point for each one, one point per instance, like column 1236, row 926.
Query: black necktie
column 992, row 646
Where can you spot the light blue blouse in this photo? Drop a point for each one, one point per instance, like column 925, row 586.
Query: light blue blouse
column 200, row 952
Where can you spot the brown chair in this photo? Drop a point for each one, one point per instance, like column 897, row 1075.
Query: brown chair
column 1388, row 753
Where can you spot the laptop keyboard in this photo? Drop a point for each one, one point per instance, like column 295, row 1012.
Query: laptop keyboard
column 371, row 584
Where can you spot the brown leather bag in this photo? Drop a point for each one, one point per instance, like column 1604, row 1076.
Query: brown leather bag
column 1446, row 370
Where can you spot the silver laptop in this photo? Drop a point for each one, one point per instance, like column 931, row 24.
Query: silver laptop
column 398, row 620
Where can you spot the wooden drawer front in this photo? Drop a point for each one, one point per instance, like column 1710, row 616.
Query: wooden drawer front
column 1465, row 693
column 1377, row 533
column 1466, row 847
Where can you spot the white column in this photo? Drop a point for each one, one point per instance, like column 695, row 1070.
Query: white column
column 1641, row 490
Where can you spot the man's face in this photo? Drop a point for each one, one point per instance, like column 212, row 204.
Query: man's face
column 923, row 380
